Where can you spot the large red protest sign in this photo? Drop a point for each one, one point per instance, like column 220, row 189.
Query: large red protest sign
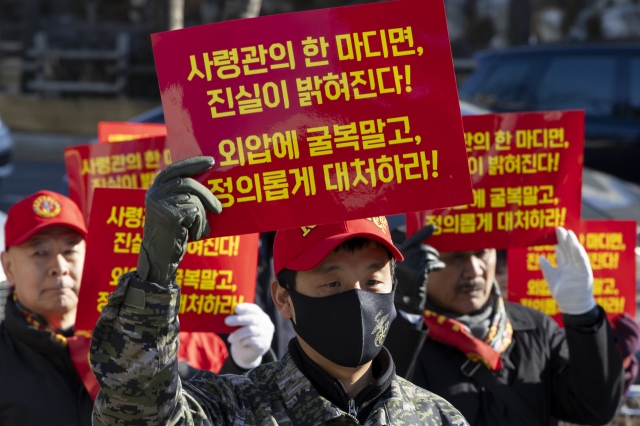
column 132, row 164
column 215, row 274
column 118, row 131
column 610, row 245
column 526, row 170
column 318, row 116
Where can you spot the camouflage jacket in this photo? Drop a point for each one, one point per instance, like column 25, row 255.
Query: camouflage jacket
column 134, row 357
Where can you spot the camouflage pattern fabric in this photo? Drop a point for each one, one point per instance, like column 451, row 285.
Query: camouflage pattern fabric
column 134, row 357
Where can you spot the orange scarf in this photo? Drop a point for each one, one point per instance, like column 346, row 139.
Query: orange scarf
column 454, row 333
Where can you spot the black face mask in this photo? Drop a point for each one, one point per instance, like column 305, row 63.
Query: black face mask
column 348, row 328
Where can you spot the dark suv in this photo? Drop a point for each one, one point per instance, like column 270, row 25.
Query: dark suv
column 604, row 80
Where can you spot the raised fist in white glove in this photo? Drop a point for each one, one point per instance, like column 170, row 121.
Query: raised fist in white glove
column 253, row 339
column 571, row 285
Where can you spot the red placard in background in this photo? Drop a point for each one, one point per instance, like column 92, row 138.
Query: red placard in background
column 215, row 275
column 318, row 116
column 610, row 245
column 132, row 164
column 118, row 131
column 526, row 170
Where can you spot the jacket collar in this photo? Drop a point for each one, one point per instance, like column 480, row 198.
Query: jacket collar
column 305, row 406
column 331, row 389
column 40, row 340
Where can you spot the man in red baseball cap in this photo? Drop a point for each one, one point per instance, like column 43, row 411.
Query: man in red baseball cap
column 315, row 268
column 335, row 282
column 43, row 260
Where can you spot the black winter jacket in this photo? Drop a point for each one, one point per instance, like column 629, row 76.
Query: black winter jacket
column 39, row 384
column 584, row 388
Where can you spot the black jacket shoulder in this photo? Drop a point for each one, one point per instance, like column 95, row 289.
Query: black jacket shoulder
column 524, row 318
column 39, row 384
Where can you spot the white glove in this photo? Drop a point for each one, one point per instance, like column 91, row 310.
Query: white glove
column 571, row 285
column 253, row 339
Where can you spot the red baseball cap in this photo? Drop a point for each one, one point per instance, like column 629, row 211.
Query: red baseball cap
column 301, row 249
column 38, row 211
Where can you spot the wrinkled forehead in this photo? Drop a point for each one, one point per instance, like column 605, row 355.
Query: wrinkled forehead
column 62, row 233
column 457, row 259
column 469, row 253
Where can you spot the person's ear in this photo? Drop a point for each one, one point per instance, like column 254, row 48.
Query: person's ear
column 281, row 300
column 7, row 265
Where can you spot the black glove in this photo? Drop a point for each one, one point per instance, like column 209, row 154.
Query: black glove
column 412, row 274
column 176, row 208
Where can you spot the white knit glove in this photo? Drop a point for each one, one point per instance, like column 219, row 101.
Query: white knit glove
column 253, row 339
column 571, row 285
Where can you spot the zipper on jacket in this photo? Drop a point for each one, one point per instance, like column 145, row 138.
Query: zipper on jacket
column 352, row 408
column 351, row 404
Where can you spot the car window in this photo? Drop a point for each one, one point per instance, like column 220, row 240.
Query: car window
column 507, row 85
column 579, row 83
column 634, row 88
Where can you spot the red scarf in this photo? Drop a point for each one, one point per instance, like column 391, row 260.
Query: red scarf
column 454, row 333
column 78, row 346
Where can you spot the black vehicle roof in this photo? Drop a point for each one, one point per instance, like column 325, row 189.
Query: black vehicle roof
column 560, row 48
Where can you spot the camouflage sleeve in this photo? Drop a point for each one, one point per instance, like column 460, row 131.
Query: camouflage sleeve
column 448, row 413
column 134, row 358
column 431, row 408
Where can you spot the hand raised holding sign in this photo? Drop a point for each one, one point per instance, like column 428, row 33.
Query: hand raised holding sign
column 412, row 274
column 176, row 207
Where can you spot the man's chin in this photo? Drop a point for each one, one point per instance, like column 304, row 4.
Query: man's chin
column 477, row 293
column 60, row 303
column 470, row 302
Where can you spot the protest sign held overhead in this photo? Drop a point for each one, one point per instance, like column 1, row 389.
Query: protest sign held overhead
column 133, row 164
column 526, row 170
column 118, row 131
column 215, row 274
column 610, row 245
column 318, row 116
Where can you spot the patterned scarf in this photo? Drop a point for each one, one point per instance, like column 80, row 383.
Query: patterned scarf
column 39, row 323
column 454, row 333
column 78, row 346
